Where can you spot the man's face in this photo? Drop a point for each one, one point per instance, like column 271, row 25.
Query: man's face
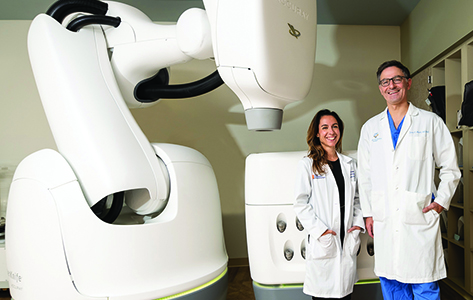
column 394, row 93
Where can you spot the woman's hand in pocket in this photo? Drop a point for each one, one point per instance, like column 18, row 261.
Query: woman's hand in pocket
column 354, row 228
column 353, row 240
column 328, row 231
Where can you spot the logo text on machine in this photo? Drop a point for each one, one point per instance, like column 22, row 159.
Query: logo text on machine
column 295, row 8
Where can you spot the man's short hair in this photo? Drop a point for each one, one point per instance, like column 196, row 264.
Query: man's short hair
column 393, row 63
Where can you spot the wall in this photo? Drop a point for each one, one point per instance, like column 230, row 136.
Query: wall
column 214, row 124
column 23, row 125
column 419, row 91
column 426, row 33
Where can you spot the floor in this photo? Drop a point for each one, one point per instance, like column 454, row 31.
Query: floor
column 240, row 287
column 4, row 294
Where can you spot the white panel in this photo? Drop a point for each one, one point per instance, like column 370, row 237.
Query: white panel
column 270, row 177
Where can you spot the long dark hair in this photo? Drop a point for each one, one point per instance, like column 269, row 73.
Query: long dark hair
column 316, row 151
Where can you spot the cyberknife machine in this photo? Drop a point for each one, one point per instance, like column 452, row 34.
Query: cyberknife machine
column 109, row 215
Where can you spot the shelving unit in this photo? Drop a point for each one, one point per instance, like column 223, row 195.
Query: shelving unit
column 454, row 70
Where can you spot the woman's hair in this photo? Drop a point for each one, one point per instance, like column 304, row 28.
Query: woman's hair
column 316, row 151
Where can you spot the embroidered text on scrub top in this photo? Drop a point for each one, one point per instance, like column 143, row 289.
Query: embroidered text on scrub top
column 394, row 132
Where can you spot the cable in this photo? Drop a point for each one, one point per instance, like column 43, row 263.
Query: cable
column 62, row 8
column 76, row 24
column 156, row 87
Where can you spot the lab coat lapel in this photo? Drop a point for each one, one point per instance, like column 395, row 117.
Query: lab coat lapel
column 331, row 179
column 385, row 131
column 345, row 163
column 332, row 194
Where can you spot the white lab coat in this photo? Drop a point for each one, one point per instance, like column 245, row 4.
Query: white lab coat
column 330, row 271
column 396, row 184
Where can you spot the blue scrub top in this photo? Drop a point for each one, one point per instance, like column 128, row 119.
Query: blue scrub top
column 394, row 132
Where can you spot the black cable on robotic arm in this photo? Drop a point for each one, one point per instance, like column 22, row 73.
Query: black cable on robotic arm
column 155, row 88
column 76, row 24
column 62, row 8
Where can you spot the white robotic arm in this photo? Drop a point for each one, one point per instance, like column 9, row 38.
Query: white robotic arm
column 91, row 124
column 141, row 51
column 264, row 51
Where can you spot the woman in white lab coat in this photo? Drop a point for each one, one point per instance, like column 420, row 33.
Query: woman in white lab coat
column 327, row 206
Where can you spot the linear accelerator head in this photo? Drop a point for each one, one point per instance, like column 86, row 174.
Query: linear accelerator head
column 265, row 53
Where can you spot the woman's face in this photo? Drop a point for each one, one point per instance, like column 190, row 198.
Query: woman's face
column 329, row 133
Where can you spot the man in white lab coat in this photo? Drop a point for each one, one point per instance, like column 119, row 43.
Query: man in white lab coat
column 397, row 154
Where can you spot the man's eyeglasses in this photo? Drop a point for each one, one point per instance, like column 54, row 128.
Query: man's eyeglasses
column 395, row 79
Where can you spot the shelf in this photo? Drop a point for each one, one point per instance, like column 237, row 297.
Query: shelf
column 469, row 62
column 454, row 70
column 457, row 132
column 460, row 281
column 457, row 205
column 458, row 243
column 438, row 74
column 456, row 55
column 445, row 237
column 453, row 89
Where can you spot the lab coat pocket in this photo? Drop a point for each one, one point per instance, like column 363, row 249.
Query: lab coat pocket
column 352, row 242
column 323, row 247
column 418, row 146
column 377, row 205
column 412, row 205
column 434, row 214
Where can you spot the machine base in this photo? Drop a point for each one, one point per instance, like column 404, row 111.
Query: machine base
column 362, row 291
column 78, row 257
column 217, row 290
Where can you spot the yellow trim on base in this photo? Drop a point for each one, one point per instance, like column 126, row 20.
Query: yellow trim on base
column 197, row 288
column 194, row 289
column 300, row 285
